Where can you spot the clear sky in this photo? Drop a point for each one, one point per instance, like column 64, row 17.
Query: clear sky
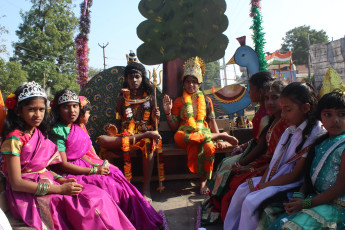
column 115, row 21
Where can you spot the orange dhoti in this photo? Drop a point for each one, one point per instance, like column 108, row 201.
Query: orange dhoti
column 200, row 150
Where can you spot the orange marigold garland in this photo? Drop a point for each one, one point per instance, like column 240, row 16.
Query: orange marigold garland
column 126, row 157
column 129, row 117
column 201, row 113
column 161, row 162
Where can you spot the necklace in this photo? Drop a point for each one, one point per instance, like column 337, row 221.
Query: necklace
column 270, row 131
column 129, row 115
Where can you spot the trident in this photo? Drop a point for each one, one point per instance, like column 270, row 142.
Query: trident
column 154, row 83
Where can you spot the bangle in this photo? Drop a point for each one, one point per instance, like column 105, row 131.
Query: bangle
column 298, row 195
column 306, row 203
column 42, row 189
column 57, row 176
column 93, row 169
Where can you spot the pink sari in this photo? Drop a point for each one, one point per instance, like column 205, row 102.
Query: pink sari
column 57, row 211
column 130, row 200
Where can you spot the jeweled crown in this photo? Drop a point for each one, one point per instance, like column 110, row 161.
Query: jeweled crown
column 196, row 67
column 32, row 89
column 68, row 96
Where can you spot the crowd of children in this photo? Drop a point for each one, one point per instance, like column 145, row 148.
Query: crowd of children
column 56, row 180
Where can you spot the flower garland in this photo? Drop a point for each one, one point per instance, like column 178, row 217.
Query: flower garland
column 81, row 41
column 258, row 35
column 201, row 113
column 161, row 162
column 126, row 157
column 128, row 112
column 131, row 129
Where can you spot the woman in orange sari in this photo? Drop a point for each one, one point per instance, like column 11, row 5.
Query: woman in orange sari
column 193, row 118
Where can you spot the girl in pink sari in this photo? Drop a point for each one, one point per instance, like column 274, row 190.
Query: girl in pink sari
column 41, row 198
column 75, row 145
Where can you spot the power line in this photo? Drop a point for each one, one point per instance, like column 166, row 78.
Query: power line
column 33, row 51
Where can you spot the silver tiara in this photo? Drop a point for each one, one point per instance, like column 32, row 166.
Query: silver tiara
column 32, row 89
column 68, row 96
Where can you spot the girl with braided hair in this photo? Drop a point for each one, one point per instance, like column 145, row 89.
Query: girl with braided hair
column 298, row 101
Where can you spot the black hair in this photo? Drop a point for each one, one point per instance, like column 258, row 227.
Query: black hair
column 301, row 93
column 85, row 108
column 260, row 78
column 277, row 85
column 333, row 100
column 135, row 67
column 54, row 113
column 13, row 121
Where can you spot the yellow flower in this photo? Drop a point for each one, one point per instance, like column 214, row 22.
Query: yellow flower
column 12, row 95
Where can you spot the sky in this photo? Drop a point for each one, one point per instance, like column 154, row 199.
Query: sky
column 115, row 22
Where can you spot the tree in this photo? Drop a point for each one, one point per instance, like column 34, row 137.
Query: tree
column 45, row 73
column 12, row 76
column 46, row 34
column 296, row 40
column 94, row 71
column 212, row 75
column 182, row 29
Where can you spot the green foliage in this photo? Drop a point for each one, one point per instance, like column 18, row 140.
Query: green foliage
column 12, row 76
column 212, row 75
column 297, row 41
column 182, row 29
column 46, row 34
column 93, row 72
column 53, row 80
column 258, row 37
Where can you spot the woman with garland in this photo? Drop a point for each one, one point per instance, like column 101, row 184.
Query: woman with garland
column 193, row 118
column 135, row 118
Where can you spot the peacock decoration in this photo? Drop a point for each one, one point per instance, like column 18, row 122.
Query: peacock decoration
column 235, row 98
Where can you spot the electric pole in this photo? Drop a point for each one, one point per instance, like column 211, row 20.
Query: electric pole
column 103, row 47
column 224, row 68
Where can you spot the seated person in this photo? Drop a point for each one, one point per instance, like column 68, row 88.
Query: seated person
column 218, row 203
column 136, row 115
column 74, row 144
column 193, row 118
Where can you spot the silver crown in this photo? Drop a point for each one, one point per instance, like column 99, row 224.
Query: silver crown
column 32, row 89
column 68, row 96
